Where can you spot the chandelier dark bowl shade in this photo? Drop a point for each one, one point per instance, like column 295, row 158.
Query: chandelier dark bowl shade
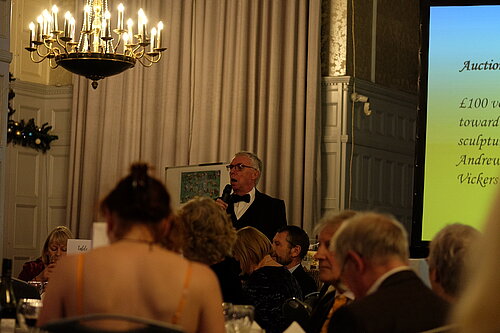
column 95, row 66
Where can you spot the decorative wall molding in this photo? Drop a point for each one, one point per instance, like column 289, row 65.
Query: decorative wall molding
column 42, row 91
column 382, row 166
column 5, row 56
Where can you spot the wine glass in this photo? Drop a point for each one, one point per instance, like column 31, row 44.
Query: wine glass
column 227, row 310
column 242, row 318
column 28, row 310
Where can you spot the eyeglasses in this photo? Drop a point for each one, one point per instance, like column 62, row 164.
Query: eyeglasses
column 239, row 167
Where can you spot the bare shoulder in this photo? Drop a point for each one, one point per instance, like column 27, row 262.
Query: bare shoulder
column 203, row 275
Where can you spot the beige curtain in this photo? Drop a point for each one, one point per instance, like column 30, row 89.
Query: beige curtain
column 237, row 75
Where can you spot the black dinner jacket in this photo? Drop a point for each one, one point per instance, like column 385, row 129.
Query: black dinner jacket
column 305, row 281
column 266, row 214
column 402, row 304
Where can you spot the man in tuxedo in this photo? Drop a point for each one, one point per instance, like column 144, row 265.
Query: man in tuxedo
column 371, row 251
column 329, row 274
column 246, row 205
column 290, row 246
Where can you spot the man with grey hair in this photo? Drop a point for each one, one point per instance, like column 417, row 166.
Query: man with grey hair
column 246, row 205
column 371, row 251
column 332, row 293
column 448, row 254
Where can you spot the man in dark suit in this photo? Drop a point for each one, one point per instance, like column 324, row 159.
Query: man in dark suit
column 371, row 251
column 290, row 246
column 246, row 205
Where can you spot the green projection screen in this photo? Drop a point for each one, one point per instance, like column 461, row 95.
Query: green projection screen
column 458, row 150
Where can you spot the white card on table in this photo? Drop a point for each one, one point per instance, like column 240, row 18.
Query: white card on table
column 79, row 245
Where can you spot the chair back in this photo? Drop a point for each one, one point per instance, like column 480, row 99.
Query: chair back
column 296, row 310
column 312, row 298
column 79, row 324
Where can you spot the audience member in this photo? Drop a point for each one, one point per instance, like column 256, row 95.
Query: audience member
column 247, row 206
column 54, row 248
column 269, row 284
column 333, row 294
column 135, row 275
column 209, row 238
column 448, row 256
column 477, row 308
column 371, row 251
column 290, row 246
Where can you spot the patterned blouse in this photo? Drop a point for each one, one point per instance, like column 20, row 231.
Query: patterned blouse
column 267, row 289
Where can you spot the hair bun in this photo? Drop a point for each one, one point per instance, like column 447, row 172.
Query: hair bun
column 139, row 174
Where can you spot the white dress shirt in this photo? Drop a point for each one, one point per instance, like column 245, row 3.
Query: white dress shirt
column 241, row 207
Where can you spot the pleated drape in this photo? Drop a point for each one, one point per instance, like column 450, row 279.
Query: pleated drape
column 237, row 75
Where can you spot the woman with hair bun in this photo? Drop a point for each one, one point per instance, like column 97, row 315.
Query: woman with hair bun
column 135, row 275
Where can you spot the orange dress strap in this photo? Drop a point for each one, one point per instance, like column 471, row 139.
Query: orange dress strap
column 79, row 284
column 182, row 302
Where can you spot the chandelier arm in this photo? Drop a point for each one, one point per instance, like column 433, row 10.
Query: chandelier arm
column 51, row 63
column 145, row 64
column 137, row 54
column 42, row 55
column 47, row 43
column 33, row 57
column 153, row 59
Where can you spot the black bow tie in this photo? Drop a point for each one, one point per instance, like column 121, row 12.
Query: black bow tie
column 237, row 198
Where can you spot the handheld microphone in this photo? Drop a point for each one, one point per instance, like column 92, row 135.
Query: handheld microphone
column 226, row 193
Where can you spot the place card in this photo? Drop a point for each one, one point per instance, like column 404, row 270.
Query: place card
column 79, row 245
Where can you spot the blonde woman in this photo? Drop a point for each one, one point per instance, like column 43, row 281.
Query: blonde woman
column 55, row 247
column 269, row 284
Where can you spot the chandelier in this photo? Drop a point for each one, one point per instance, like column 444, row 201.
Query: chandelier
column 100, row 50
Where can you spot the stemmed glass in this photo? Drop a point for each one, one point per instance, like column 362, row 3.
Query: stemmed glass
column 238, row 318
column 28, row 311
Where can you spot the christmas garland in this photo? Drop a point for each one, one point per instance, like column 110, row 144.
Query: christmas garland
column 27, row 134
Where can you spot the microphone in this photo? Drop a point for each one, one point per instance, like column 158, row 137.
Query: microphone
column 226, row 193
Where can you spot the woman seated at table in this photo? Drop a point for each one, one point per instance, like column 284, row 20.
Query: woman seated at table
column 269, row 284
column 135, row 275
column 209, row 238
column 53, row 249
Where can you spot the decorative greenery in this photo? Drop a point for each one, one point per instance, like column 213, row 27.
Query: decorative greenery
column 27, row 134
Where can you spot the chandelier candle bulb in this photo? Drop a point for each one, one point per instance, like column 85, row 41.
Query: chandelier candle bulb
column 72, row 24
column 107, row 24
column 32, row 34
column 140, row 15
column 104, row 29
column 55, row 26
column 86, row 18
column 39, row 28
column 67, row 16
column 130, row 25
column 153, row 39
column 158, row 36
column 119, row 25
column 145, row 29
column 46, row 22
